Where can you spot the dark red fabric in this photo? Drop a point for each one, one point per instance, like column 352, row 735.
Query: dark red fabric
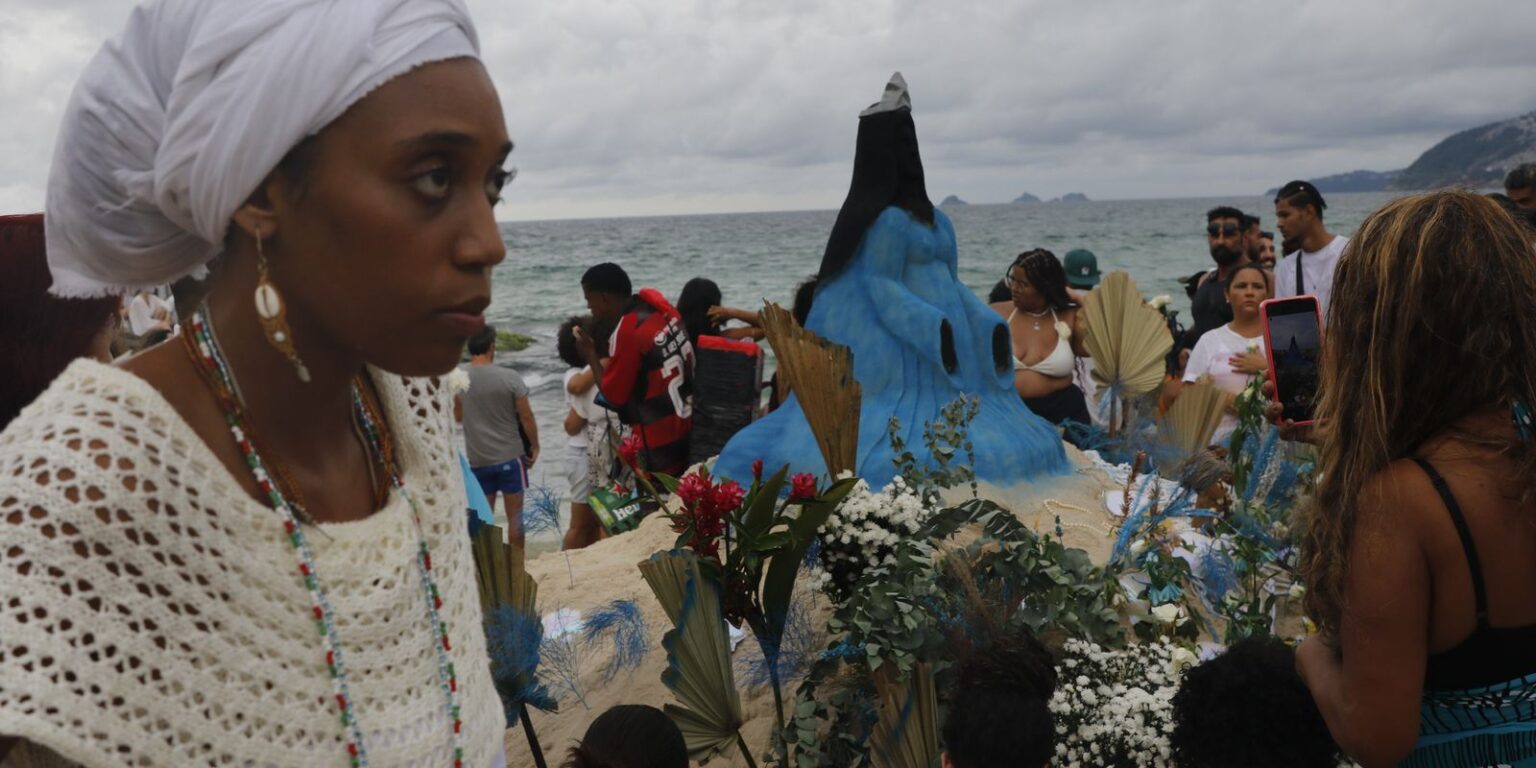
column 39, row 334
column 649, row 380
column 750, row 349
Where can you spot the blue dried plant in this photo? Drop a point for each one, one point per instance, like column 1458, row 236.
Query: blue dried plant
column 541, row 512
column 560, row 661
column 622, row 621
column 799, row 647
column 513, row 642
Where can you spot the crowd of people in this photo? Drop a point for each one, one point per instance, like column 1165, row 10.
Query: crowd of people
column 246, row 543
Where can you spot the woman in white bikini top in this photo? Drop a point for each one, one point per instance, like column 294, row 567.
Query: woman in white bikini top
column 1040, row 317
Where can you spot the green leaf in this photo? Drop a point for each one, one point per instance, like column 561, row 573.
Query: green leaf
column 667, row 481
column 759, row 514
column 772, row 542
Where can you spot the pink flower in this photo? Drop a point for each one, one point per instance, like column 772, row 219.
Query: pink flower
column 802, row 487
column 757, row 470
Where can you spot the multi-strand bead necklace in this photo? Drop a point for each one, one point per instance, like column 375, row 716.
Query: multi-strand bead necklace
column 216, row 372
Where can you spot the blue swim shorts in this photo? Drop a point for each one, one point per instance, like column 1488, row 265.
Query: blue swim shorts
column 506, row 478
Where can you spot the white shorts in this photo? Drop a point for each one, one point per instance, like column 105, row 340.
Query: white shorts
column 578, row 472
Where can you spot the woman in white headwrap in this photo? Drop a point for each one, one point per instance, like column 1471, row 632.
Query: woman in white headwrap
column 248, row 545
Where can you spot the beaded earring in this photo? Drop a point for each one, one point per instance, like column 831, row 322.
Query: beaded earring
column 274, row 316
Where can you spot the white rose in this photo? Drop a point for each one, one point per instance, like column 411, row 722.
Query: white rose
column 1158, row 302
column 1167, row 613
column 1183, row 658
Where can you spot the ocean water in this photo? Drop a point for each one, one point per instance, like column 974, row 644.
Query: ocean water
column 757, row 256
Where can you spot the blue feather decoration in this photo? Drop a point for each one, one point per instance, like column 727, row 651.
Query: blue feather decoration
column 541, row 511
column 561, row 661
column 622, row 620
column 514, row 642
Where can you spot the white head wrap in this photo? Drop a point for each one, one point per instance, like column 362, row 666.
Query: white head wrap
column 179, row 119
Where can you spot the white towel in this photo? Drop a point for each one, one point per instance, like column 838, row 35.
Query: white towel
column 179, row 119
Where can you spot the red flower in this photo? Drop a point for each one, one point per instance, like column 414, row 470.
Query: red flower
column 692, row 489
column 629, row 451
column 802, row 487
column 757, row 470
column 725, row 497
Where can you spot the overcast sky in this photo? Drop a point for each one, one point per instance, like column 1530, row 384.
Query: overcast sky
column 685, row 106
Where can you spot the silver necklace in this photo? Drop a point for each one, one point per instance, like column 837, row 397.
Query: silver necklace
column 1037, row 315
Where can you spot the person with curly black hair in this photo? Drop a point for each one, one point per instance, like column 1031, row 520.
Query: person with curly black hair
column 999, row 709
column 1248, row 707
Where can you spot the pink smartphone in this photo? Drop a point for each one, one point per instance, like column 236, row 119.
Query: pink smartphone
column 1293, row 335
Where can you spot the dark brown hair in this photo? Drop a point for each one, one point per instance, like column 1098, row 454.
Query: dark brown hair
column 630, row 736
column 39, row 334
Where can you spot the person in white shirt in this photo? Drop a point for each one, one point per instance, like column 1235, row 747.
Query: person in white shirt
column 1311, row 250
column 148, row 312
column 1232, row 354
column 582, row 413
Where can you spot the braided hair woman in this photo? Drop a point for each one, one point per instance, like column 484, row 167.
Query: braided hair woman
column 1042, row 318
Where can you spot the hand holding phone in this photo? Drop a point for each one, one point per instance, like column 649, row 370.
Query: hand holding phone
column 1293, row 341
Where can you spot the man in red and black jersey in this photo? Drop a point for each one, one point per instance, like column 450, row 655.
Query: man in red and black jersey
column 649, row 376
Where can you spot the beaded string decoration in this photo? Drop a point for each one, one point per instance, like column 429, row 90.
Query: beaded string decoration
column 217, row 374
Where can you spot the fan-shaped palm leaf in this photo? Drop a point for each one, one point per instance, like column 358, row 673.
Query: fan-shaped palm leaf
column 698, row 657
column 1194, row 417
column 907, row 732
column 1127, row 339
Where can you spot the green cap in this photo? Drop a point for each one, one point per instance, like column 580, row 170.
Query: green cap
column 1082, row 268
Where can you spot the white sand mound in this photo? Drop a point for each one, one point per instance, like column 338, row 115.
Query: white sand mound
column 587, row 580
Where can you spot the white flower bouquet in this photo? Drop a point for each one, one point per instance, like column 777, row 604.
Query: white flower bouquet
column 863, row 533
column 1115, row 708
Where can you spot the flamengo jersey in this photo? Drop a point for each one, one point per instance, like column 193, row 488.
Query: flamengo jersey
column 649, row 380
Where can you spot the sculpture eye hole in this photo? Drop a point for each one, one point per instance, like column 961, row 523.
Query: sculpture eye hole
column 1002, row 349
column 947, row 348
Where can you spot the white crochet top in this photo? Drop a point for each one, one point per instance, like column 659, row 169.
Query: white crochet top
column 151, row 612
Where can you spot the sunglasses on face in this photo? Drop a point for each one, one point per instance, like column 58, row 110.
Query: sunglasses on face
column 1221, row 230
column 1017, row 285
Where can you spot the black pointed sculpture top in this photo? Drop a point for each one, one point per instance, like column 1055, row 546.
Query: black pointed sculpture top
column 887, row 171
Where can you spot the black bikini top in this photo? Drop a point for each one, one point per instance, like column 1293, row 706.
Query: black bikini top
column 1490, row 655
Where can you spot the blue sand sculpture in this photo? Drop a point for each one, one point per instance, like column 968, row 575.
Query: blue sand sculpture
column 890, row 292
column 894, row 305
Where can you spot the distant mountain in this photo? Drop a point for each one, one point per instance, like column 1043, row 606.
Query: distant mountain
column 1072, row 197
column 952, row 200
column 1476, row 158
column 1354, row 181
column 1026, row 198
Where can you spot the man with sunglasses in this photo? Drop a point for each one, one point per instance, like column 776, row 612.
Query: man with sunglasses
column 1225, row 234
column 1311, row 250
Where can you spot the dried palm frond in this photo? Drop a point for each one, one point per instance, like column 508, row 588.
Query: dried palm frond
column 698, row 655
column 907, row 733
column 514, row 633
column 1127, row 339
column 1194, row 417
column 820, row 374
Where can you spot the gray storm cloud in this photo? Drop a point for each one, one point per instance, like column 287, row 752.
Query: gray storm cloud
column 667, row 106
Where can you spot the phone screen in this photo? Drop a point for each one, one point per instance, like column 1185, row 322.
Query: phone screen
column 1295, row 347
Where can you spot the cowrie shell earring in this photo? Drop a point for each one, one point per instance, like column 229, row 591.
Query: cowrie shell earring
column 274, row 316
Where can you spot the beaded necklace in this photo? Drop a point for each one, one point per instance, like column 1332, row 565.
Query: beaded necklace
column 216, row 372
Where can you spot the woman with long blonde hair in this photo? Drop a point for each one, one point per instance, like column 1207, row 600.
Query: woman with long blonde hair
column 1420, row 553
